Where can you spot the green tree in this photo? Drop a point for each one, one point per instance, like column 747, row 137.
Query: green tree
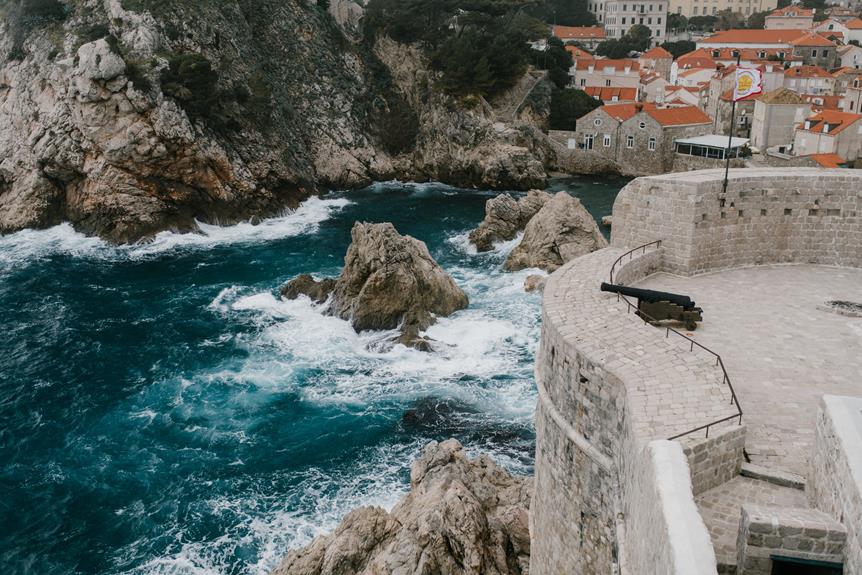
column 677, row 22
column 677, row 49
column 729, row 20
column 569, row 13
column 757, row 20
column 568, row 105
column 191, row 80
column 24, row 16
column 702, row 23
column 637, row 39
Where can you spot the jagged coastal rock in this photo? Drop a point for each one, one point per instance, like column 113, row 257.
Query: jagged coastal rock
column 561, row 231
column 389, row 281
column 535, row 282
column 461, row 517
column 129, row 122
column 505, row 217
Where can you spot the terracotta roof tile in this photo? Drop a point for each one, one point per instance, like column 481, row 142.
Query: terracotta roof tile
column 657, row 52
column 854, row 24
column 828, row 160
column 684, row 116
column 579, row 32
column 756, row 36
column 792, row 12
column 578, row 53
column 837, row 121
column 806, row 72
column 623, row 112
column 607, row 94
column 600, row 65
column 812, row 39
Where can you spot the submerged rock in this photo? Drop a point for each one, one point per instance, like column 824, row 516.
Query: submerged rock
column 461, row 516
column 561, row 231
column 389, row 281
column 534, row 282
column 306, row 285
column 505, row 217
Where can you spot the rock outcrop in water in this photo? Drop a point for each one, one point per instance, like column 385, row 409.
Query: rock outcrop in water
column 505, row 217
column 131, row 117
column 561, row 231
column 389, row 281
column 461, row 517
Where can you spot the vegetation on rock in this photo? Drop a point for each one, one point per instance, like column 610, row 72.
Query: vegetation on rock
column 568, row 105
column 637, row 39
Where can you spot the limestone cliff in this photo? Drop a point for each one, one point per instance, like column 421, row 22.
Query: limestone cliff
column 134, row 116
column 461, row 517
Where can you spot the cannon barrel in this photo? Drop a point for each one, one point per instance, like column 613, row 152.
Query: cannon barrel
column 650, row 296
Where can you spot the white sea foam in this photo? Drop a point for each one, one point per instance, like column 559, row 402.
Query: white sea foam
column 26, row 246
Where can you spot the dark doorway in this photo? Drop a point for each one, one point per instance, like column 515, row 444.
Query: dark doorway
column 795, row 566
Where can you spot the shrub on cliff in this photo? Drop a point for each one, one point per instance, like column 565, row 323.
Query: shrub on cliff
column 568, row 105
column 192, row 82
column 24, row 16
column 480, row 48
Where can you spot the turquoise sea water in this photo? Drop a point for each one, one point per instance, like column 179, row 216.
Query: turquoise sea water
column 162, row 411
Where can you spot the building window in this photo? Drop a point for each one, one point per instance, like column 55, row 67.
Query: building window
column 652, row 144
column 607, row 140
column 641, row 125
column 583, row 81
column 607, row 83
column 814, row 53
column 630, row 141
column 588, row 142
column 597, row 122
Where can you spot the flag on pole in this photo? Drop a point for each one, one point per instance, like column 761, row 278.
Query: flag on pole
column 748, row 81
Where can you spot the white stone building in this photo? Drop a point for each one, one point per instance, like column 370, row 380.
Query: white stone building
column 793, row 17
column 776, row 115
column 830, row 132
column 618, row 16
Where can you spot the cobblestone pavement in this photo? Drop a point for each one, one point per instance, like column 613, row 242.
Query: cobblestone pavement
column 721, row 509
column 781, row 351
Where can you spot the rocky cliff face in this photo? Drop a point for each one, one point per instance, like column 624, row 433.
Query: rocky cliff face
column 134, row 116
column 461, row 517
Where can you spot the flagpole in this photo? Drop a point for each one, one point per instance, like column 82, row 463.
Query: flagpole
column 732, row 122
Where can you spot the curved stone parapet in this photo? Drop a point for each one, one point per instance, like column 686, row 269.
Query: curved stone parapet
column 768, row 215
column 609, row 385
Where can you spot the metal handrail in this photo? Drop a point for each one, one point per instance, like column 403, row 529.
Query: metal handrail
column 718, row 361
column 630, row 255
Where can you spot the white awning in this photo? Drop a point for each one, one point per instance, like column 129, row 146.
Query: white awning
column 713, row 141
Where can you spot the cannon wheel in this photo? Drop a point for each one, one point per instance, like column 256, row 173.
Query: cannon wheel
column 690, row 325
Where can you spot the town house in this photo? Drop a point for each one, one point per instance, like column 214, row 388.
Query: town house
column 605, row 73
column 792, row 17
column 776, row 115
column 830, row 132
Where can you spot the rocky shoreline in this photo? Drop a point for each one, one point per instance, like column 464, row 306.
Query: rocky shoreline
column 461, row 516
column 128, row 123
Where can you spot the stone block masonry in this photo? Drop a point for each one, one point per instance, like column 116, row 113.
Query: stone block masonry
column 716, row 459
column 786, row 532
column 799, row 215
column 835, row 477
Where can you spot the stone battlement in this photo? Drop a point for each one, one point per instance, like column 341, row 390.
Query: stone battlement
column 613, row 495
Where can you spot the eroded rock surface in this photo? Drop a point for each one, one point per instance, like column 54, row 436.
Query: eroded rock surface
column 127, row 122
column 461, row 517
column 389, row 281
column 561, row 231
column 505, row 217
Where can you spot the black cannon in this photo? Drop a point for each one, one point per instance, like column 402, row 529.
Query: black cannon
column 656, row 306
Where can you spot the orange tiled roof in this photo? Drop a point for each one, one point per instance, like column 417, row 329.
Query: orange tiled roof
column 618, row 65
column 806, row 72
column 792, row 11
column 607, row 94
column 812, row 39
column 578, row 53
column 579, row 32
column 623, row 112
column 828, row 160
column 854, row 24
column 684, row 116
column 756, row 36
column 657, row 52
column 823, row 102
column 837, row 121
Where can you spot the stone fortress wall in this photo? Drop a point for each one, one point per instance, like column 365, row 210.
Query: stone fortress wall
column 613, row 495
